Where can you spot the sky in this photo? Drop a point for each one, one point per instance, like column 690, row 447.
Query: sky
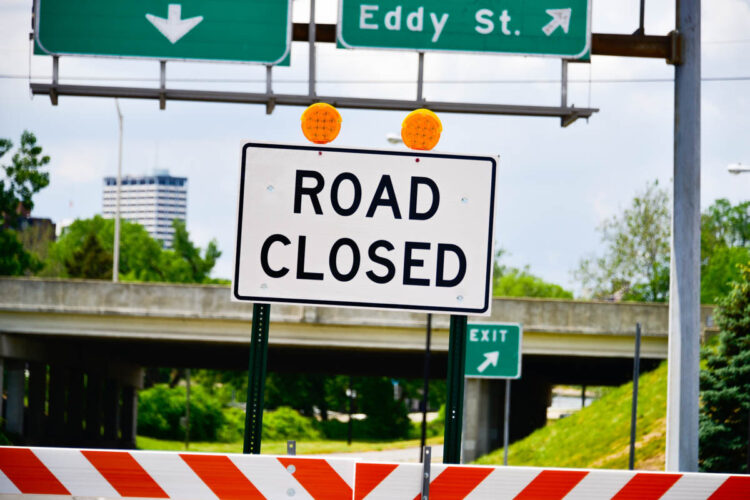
column 555, row 185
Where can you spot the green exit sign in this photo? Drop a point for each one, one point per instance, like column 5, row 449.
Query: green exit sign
column 493, row 350
column 208, row 30
column 560, row 28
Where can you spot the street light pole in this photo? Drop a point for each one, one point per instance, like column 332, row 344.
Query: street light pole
column 116, row 253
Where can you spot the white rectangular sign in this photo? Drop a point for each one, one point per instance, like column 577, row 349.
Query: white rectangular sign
column 365, row 228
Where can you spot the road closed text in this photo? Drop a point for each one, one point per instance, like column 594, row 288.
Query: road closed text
column 388, row 230
column 373, row 258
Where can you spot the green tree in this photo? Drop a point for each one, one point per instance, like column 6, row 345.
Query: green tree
column 725, row 385
column 90, row 260
column 142, row 258
column 387, row 417
column 303, row 392
column 635, row 264
column 199, row 267
column 514, row 282
column 22, row 179
column 725, row 245
column 140, row 254
column 14, row 259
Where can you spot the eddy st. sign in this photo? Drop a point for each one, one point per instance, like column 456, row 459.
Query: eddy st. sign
column 558, row 28
column 365, row 228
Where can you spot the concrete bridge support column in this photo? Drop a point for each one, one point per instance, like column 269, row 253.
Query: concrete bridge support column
column 58, row 385
column 75, row 406
column 37, row 400
column 111, row 412
column 480, row 432
column 529, row 398
column 129, row 416
column 484, row 412
column 93, row 407
column 15, row 390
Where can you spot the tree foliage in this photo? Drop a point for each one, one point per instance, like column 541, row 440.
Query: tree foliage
column 635, row 264
column 725, row 246
column 142, row 258
column 725, row 385
column 515, row 282
column 14, row 259
column 90, row 260
column 21, row 180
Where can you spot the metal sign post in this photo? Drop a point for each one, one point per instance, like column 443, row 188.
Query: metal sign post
column 506, row 422
column 684, row 286
column 454, row 408
column 634, row 406
column 256, row 379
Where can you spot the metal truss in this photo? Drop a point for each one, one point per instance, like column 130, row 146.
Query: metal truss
column 636, row 45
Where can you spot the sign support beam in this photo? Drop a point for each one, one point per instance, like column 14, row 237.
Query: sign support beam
column 306, row 100
column 684, row 286
column 256, row 378
column 454, row 408
column 602, row 44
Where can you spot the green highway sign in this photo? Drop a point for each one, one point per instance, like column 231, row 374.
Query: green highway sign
column 560, row 28
column 493, row 350
column 218, row 30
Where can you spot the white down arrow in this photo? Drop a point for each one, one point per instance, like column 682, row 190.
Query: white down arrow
column 174, row 27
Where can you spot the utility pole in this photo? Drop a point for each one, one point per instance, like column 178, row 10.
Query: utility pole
column 684, row 286
column 116, row 253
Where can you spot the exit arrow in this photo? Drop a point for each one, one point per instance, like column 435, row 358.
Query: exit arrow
column 490, row 359
column 174, row 27
column 560, row 19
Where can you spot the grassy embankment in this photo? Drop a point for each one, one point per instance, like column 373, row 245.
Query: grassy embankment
column 598, row 436
column 279, row 447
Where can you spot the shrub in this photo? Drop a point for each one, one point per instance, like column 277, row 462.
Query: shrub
column 284, row 423
column 160, row 409
column 234, row 426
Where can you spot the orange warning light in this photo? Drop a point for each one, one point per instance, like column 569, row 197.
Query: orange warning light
column 321, row 123
column 421, row 129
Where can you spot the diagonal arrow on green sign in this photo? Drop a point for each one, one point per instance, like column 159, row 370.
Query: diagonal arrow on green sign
column 493, row 350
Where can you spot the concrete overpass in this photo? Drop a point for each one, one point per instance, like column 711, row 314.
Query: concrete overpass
column 106, row 332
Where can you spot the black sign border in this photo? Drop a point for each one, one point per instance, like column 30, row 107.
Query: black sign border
column 369, row 305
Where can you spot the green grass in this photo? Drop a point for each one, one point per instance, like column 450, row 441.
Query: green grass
column 598, row 436
column 279, row 447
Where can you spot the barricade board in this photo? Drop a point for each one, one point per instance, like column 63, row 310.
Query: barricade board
column 212, row 476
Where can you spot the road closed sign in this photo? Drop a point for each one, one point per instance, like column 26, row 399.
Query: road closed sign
column 365, row 228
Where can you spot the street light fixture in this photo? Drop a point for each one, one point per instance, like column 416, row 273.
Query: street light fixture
column 738, row 168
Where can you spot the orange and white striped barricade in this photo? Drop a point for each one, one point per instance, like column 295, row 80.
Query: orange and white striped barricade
column 391, row 481
column 155, row 474
column 198, row 476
